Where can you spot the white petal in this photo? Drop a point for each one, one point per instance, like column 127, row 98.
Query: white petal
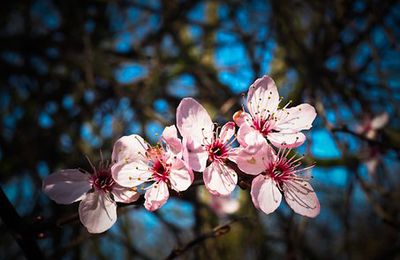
column 129, row 148
column 194, row 154
column 170, row 137
column 180, row 176
column 281, row 139
column 156, row 196
column 193, row 120
column 219, row 179
column 262, row 96
column 124, row 195
column 300, row 196
column 380, row 121
column 240, row 117
column 255, row 163
column 67, row 186
column 227, row 132
column 265, row 195
column 250, row 138
column 131, row 174
column 295, row 119
column 234, row 153
column 97, row 212
column 250, row 163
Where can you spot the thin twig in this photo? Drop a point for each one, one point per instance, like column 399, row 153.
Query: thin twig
column 216, row 232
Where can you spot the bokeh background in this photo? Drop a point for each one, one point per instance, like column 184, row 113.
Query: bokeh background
column 77, row 75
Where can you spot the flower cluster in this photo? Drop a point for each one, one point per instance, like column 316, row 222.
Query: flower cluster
column 266, row 134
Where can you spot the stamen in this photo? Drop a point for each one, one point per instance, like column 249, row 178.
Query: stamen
column 205, row 138
column 145, row 148
column 91, row 164
column 288, row 103
column 226, row 174
column 296, row 198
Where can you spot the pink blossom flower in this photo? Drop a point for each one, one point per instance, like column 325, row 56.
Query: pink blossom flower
column 221, row 205
column 279, row 125
column 224, row 205
column 373, row 160
column 97, row 192
column 161, row 168
column 203, row 145
column 275, row 174
column 370, row 126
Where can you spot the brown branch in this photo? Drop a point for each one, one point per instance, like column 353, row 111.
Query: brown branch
column 216, row 232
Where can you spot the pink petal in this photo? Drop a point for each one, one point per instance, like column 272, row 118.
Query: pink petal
column 250, row 163
column 255, row 163
column 129, row 148
column 241, row 117
column 156, row 196
column 296, row 118
column 301, row 197
column 262, row 96
column 180, row 176
column 66, row 186
column 290, row 140
column 219, row 179
column 124, row 195
column 372, row 165
column 380, row 121
column 227, row 132
column 250, row 138
column 370, row 134
column 194, row 154
column 223, row 205
column 193, row 120
column 234, row 153
column 131, row 174
column 97, row 212
column 265, row 195
column 170, row 137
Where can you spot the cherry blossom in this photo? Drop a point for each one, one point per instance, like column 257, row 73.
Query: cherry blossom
column 369, row 128
column 160, row 168
column 279, row 125
column 97, row 192
column 275, row 174
column 224, row 205
column 207, row 149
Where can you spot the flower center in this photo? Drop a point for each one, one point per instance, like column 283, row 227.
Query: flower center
column 262, row 125
column 160, row 172
column 102, row 180
column 217, row 151
column 279, row 171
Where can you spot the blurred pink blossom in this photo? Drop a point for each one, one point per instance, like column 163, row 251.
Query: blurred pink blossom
column 224, row 205
column 370, row 126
